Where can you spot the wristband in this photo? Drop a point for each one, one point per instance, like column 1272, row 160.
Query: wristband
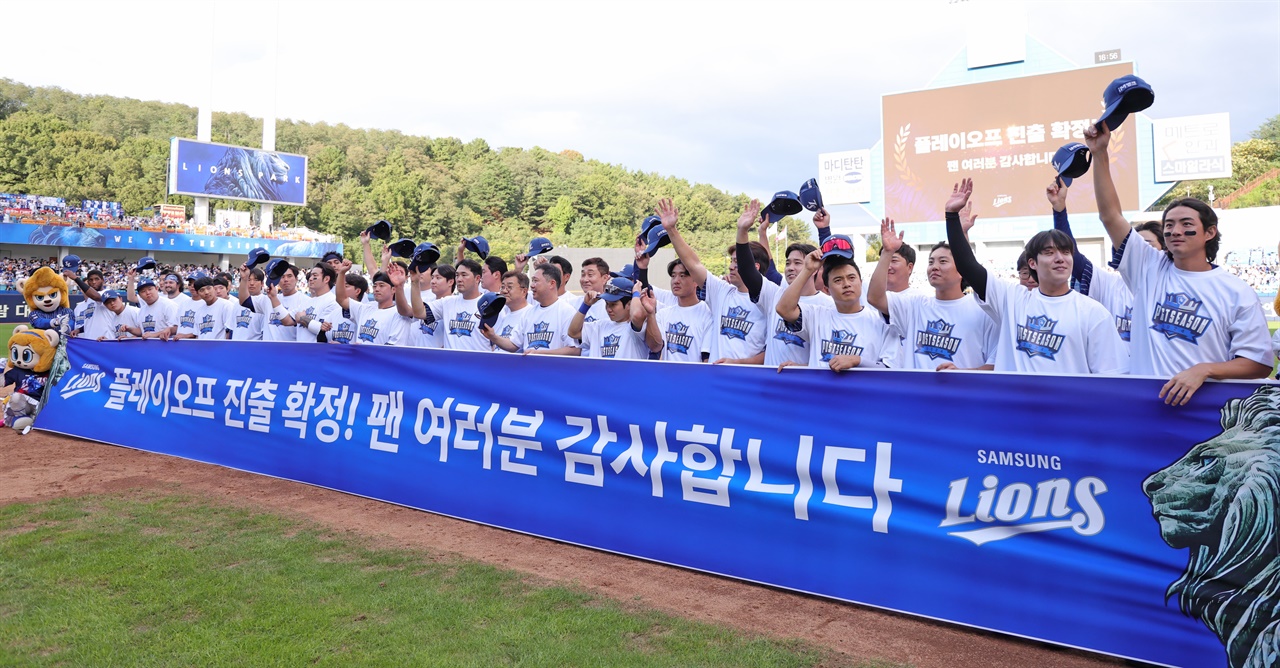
column 584, row 308
column 635, row 294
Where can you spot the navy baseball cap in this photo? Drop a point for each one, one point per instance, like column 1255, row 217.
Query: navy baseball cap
column 810, row 195
column 275, row 270
column 1124, row 96
column 403, row 248
column 490, row 307
column 146, row 263
column 648, row 224
column 1072, row 161
column 331, row 255
column 478, row 245
column 380, row 230
column 628, row 272
column 784, row 203
column 146, row 282
column 539, row 245
column 838, row 244
column 424, row 255
column 71, row 262
column 657, row 239
column 199, row 274
column 257, row 256
column 109, row 295
column 616, row 289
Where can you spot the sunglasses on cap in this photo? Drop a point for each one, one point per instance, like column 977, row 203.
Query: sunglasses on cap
column 615, row 290
column 836, row 244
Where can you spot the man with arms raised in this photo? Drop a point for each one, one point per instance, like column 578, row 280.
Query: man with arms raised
column 846, row 334
column 682, row 331
column 1049, row 330
column 945, row 330
column 1192, row 320
column 738, row 329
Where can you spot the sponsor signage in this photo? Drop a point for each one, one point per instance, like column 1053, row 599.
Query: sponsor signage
column 1192, row 147
column 845, row 176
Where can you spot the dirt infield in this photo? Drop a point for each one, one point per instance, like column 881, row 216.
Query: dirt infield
column 42, row 466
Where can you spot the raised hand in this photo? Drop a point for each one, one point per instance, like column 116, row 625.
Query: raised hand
column 890, row 238
column 521, row 260
column 822, row 219
column 813, row 262
column 1057, row 194
column 590, row 297
column 669, row 214
column 344, row 266
column 959, row 195
column 967, row 217
column 364, row 237
column 386, row 256
column 1097, row 137
column 649, row 302
column 396, row 273
column 749, row 215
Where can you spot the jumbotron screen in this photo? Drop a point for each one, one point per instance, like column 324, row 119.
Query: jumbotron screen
column 1003, row 135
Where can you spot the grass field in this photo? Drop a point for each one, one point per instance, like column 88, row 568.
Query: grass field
column 166, row 580
column 5, row 331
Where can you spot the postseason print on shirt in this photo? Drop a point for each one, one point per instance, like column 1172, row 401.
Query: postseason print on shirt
column 1070, row 334
column 785, row 345
column 320, row 309
column 273, row 330
column 378, row 326
column 546, row 328
column 154, row 317
column 85, row 311
column 830, row 333
column 510, row 326
column 613, row 340
column 937, row 332
column 1108, row 288
column 205, row 321
column 460, row 323
column 739, row 325
column 686, row 331
column 1183, row 318
column 246, row 324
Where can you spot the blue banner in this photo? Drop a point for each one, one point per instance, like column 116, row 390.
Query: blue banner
column 14, row 309
column 89, row 237
column 1013, row 503
column 221, row 171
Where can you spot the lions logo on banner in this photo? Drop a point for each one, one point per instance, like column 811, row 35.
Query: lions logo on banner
column 1036, row 338
column 1176, row 317
column 734, row 323
column 936, row 340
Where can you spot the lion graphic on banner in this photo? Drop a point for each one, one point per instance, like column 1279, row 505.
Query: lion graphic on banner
column 248, row 174
column 1221, row 500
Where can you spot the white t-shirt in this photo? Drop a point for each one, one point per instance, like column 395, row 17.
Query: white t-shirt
column 158, row 316
column 739, row 325
column 206, row 321
column 246, row 324
column 1109, row 289
column 1071, row 334
column 182, row 302
column 596, row 313
column 785, row 345
column 830, row 332
column 547, row 327
column 686, row 332
column 84, row 313
column 937, row 331
column 1184, row 318
column 458, row 321
column 606, row 339
column 379, row 326
column 510, row 325
column 289, row 304
column 320, row 309
column 108, row 325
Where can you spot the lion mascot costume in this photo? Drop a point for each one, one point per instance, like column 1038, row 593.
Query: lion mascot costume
column 1221, row 501
column 31, row 353
column 46, row 295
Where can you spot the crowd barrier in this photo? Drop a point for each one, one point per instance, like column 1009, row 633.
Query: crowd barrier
column 1012, row 503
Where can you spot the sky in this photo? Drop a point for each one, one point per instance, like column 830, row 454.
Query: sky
column 741, row 95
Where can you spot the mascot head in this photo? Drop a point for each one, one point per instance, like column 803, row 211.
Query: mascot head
column 45, row 291
column 32, row 349
column 1221, row 500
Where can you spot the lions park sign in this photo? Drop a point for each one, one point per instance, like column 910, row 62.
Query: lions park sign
column 1079, row 511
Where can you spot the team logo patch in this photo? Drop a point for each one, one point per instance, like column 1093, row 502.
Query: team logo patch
column 461, row 325
column 936, row 341
column 369, row 331
column 734, row 323
column 1176, row 317
column 678, row 339
column 206, row 324
column 788, row 337
column 540, row 337
column 244, row 318
column 149, row 323
column 840, row 343
column 343, row 332
column 1125, row 324
column 610, row 346
column 1036, row 338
